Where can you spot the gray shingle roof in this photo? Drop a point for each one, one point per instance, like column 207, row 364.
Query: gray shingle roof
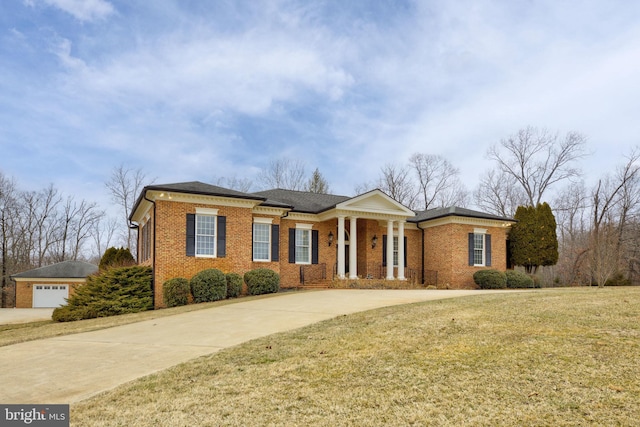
column 197, row 187
column 61, row 270
column 455, row 211
column 302, row 201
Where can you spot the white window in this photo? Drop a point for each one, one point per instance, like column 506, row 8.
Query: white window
column 395, row 251
column 206, row 235
column 478, row 249
column 303, row 246
column 261, row 242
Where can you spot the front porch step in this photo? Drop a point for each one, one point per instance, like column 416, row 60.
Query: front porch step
column 316, row 285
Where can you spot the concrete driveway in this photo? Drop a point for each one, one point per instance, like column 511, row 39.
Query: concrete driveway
column 23, row 315
column 74, row 367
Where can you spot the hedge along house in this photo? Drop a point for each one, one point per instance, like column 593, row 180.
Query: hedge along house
column 51, row 285
column 305, row 237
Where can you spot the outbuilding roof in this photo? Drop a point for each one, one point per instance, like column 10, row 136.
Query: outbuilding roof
column 61, row 270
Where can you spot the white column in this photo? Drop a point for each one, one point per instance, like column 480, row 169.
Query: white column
column 401, row 250
column 353, row 249
column 389, row 250
column 341, row 247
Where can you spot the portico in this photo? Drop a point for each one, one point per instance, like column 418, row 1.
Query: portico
column 388, row 214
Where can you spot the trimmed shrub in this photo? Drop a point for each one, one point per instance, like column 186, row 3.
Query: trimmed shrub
column 112, row 292
column 490, row 279
column 518, row 279
column 234, row 285
column 209, row 285
column 175, row 292
column 262, row 281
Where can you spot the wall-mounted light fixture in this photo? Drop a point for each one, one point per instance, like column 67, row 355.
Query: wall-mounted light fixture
column 330, row 238
column 374, row 241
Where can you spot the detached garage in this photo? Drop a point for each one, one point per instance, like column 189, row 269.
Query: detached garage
column 50, row 286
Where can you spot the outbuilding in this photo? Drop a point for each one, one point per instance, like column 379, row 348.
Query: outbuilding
column 51, row 285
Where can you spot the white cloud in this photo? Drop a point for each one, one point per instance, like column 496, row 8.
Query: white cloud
column 83, row 10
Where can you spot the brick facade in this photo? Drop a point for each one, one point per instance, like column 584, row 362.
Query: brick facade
column 439, row 245
column 446, row 251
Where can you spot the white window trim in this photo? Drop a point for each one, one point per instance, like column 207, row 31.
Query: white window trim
column 483, row 232
column 211, row 213
column 207, row 211
column 265, row 221
column 307, row 228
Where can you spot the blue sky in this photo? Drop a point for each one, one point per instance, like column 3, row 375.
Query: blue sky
column 193, row 90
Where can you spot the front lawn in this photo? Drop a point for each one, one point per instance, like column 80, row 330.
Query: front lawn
column 550, row 357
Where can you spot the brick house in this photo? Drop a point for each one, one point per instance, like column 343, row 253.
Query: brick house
column 51, row 285
column 187, row 227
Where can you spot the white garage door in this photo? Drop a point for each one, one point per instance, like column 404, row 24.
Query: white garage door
column 49, row 295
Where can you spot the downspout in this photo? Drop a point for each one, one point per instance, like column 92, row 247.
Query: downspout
column 422, row 257
column 153, row 266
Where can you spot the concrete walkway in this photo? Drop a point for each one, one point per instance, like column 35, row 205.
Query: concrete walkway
column 74, row 367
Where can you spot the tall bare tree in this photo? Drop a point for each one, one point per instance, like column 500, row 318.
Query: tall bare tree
column 499, row 193
column 76, row 223
column 8, row 216
column 103, row 231
column 233, row 182
column 614, row 199
column 124, row 185
column 572, row 216
column 538, row 159
column 438, row 181
column 287, row 174
column 396, row 181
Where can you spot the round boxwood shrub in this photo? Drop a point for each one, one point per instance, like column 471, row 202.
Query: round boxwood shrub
column 518, row 279
column 234, row 285
column 209, row 285
column 490, row 279
column 262, row 281
column 176, row 292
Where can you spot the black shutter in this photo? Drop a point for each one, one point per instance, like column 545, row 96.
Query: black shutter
column 405, row 251
column 253, row 240
column 222, row 236
column 487, row 244
column 471, row 249
column 314, row 246
column 275, row 242
column 384, row 250
column 292, row 245
column 191, row 235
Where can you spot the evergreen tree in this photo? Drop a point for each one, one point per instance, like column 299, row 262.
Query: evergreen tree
column 116, row 257
column 533, row 238
column 317, row 183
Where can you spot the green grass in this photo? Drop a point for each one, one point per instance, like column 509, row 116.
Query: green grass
column 566, row 357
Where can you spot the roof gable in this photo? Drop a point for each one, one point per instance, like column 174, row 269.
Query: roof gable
column 375, row 201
